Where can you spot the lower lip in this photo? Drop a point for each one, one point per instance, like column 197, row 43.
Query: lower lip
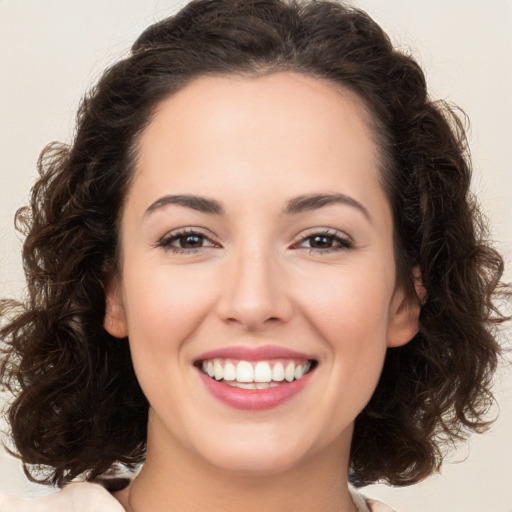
column 253, row 399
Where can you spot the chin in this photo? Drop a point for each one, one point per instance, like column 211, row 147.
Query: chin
column 255, row 463
column 260, row 453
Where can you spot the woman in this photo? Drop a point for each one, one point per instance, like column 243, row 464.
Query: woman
column 258, row 270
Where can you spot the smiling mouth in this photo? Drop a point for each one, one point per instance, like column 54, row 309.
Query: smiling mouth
column 262, row 374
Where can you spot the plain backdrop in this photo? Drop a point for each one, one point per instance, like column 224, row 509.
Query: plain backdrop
column 51, row 51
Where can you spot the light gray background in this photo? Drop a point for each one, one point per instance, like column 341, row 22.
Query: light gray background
column 52, row 50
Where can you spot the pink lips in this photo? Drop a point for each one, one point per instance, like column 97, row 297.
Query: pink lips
column 254, row 399
column 254, row 353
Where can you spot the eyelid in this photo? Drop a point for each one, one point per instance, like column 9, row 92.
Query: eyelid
column 345, row 241
column 164, row 242
column 342, row 239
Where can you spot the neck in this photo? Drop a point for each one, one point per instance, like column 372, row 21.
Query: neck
column 175, row 480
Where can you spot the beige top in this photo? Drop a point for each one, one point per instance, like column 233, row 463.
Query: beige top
column 88, row 497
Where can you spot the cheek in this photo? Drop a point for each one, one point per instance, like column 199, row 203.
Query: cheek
column 349, row 310
column 164, row 310
column 165, row 307
column 349, row 303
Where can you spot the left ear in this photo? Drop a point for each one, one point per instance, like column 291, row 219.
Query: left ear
column 405, row 309
column 115, row 317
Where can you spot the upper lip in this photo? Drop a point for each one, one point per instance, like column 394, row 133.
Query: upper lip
column 247, row 353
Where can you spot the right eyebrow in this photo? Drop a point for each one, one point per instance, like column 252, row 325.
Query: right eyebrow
column 315, row 201
column 198, row 203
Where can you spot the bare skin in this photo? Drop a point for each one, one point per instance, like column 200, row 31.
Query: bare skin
column 317, row 489
column 293, row 249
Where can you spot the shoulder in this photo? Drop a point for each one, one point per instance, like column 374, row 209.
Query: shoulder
column 88, row 497
column 377, row 506
column 365, row 504
column 78, row 497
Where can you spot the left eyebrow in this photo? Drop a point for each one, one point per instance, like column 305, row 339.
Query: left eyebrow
column 198, row 203
column 315, row 201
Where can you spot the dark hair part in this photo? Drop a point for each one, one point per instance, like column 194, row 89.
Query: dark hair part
column 79, row 408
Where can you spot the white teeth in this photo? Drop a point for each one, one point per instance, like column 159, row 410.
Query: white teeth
column 217, row 368
column 278, row 372
column 252, row 385
column 262, row 372
column 246, row 385
column 209, row 369
column 244, row 372
column 301, row 370
column 289, row 372
column 229, row 371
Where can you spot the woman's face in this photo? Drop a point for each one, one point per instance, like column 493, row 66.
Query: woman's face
column 257, row 245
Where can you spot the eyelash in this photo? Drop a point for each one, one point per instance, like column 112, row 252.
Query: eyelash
column 166, row 241
column 342, row 242
column 334, row 237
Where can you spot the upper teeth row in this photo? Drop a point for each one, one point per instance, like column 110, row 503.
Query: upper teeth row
column 244, row 371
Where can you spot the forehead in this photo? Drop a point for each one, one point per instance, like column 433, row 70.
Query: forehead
column 282, row 128
column 278, row 97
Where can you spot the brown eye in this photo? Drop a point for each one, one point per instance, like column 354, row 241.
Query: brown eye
column 192, row 241
column 185, row 241
column 325, row 242
column 321, row 242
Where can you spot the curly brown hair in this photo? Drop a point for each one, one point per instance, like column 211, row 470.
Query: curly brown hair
column 79, row 409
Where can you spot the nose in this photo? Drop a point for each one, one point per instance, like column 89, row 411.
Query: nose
column 254, row 292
